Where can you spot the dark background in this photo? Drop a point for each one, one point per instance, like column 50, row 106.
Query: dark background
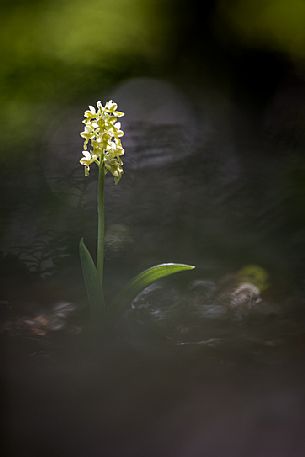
column 215, row 88
column 214, row 100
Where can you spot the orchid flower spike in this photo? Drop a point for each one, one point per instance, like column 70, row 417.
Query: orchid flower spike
column 102, row 139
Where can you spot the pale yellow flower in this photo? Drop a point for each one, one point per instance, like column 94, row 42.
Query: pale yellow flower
column 87, row 160
column 102, row 133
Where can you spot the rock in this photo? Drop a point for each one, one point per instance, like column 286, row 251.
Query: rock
column 237, row 296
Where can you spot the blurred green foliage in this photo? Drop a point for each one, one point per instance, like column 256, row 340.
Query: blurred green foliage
column 60, row 51
column 274, row 24
column 66, row 52
column 254, row 274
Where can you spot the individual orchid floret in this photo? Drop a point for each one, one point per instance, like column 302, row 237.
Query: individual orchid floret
column 87, row 160
column 102, row 143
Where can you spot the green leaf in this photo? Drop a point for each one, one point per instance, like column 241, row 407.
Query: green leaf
column 149, row 276
column 90, row 275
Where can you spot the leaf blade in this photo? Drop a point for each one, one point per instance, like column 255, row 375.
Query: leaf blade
column 149, row 276
column 89, row 274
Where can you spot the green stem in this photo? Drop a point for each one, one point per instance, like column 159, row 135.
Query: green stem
column 100, row 228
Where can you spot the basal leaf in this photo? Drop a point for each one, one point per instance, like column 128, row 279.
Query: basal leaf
column 149, row 276
column 90, row 275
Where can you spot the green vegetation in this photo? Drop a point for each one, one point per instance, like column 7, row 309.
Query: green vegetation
column 54, row 52
column 102, row 147
column 274, row 24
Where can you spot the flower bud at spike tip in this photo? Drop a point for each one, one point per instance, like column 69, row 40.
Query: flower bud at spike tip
column 102, row 139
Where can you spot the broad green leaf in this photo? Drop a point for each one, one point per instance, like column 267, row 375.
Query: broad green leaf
column 90, row 275
column 149, row 276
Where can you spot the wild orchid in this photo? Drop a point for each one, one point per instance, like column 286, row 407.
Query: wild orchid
column 103, row 147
